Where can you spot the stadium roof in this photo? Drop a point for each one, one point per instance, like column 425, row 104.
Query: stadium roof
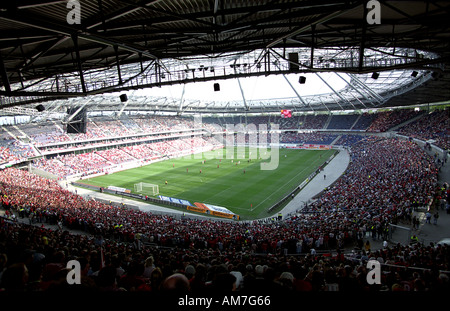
column 130, row 45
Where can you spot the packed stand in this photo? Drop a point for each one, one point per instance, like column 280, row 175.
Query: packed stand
column 38, row 264
column 85, row 163
column 14, row 151
column 364, row 121
column 383, row 181
column 141, row 152
column 388, row 119
column 103, row 128
column 349, row 140
column 130, row 125
column 115, row 155
column 45, row 134
column 342, row 122
column 97, row 161
column 313, row 122
column 307, row 138
column 289, row 123
column 433, row 126
column 53, row 166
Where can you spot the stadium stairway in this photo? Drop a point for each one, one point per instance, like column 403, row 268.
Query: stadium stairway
column 22, row 133
column 430, row 232
column 426, row 233
column 9, row 132
column 336, row 140
column 356, row 122
column 325, row 126
column 332, row 171
column 62, row 130
column 395, row 128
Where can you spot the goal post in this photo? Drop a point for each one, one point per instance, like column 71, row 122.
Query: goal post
column 399, row 234
column 147, row 188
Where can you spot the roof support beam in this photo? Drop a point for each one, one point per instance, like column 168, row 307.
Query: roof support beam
column 28, row 62
column 242, row 93
column 122, row 109
column 120, row 13
column 116, row 50
column 67, row 31
column 363, row 39
column 300, row 30
column 364, row 87
column 31, row 5
column 296, row 93
column 331, row 88
column 79, row 66
column 240, row 87
column 180, row 108
column 4, row 75
column 78, row 110
column 356, row 90
column 313, row 28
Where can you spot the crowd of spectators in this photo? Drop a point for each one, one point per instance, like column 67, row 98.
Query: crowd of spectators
column 113, row 128
column 51, row 137
column 289, row 123
column 388, row 119
column 254, row 138
column 348, row 140
column 53, row 166
column 86, row 163
column 106, row 128
column 42, row 134
column 294, row 122
column 213, row 141
column 433, row 126
column 14, row 151
column 147, row 125
column 385, row 179
column 313, row 122
column 97, row 161
column 34, row 260
column 342, row 122
column 115, row 155
column 91, row 144
column 364, row 121
column 429, row 126
column 44, row 137
column 307, row 138
column 141, row 152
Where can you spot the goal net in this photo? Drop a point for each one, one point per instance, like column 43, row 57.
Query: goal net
column 399, row 234
column 146, row 188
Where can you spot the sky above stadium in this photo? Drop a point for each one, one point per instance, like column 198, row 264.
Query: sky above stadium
column 253, row 88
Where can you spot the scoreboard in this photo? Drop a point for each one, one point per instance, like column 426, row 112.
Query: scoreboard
column 286, row 113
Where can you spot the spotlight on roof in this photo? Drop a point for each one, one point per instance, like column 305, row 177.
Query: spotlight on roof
column 435, row 75
column 123, row 98
column 375, row 75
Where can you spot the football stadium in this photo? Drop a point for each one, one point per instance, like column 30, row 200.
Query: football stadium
column 211, row 147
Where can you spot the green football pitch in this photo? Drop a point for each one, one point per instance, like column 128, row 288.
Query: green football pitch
column 224, row 178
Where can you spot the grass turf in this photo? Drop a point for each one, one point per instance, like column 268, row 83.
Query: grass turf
column 223, row 182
